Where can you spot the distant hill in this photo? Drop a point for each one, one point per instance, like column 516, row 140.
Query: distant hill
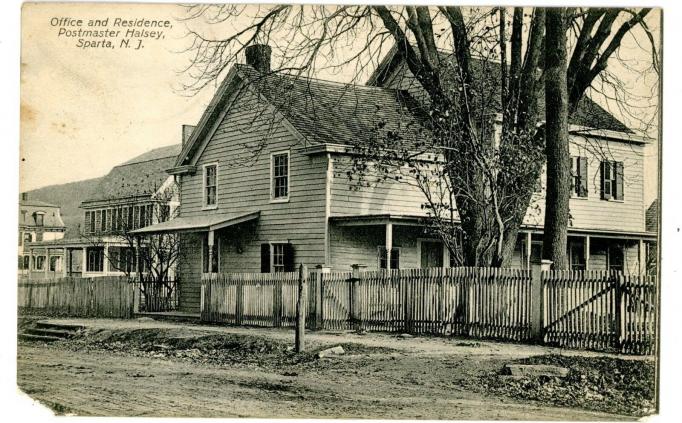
column 68, row 196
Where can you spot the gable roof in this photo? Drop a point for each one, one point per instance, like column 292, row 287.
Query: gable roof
column 322, row 112
column 142, row 175
column 588, row 113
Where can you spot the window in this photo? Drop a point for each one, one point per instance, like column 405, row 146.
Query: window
column 55, row 264
column 27, row 261
column 39, row 218
column 280, row 176
column 131, row 218
column 91, row 222
column 395, row 258
column 612, row 180
column 123, row 259
column 21, row 262
column 28, row 237
column 579, row 176
column 615, row 258
column 143, row 216
column 277, row 257
column 21, row 238
column 576, row 255
column 103, row 224
column 431, row 253
column 39, row 236
column 95, row 259
column 39, row 263
column 210, row 185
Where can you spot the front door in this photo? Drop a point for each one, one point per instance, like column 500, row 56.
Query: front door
column 431, row 254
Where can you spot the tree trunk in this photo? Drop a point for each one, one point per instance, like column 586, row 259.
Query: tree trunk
column 556, row 141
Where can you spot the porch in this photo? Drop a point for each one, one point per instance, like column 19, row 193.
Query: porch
column 370, row 240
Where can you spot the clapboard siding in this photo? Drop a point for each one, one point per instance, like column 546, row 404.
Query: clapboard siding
column 359, row 245
column 350, row 198
column 241, row 147
column 390, row 196
column 189, row 272
column 593, row 212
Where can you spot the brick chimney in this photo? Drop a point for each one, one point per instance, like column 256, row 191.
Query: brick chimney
column 258, row 56
column 186, row 133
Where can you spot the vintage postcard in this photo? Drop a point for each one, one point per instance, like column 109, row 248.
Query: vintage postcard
column 323, row 211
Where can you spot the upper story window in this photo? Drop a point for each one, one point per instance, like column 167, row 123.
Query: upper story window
column 39, row 218
column 612, row 180
column 103, row 224
column 210, row 185
column 279, row 187
column 579, row 176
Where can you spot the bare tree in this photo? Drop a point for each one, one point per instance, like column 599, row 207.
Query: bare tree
column 158, row 253
column 485, row 173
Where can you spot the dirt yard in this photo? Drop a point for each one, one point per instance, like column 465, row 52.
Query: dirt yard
column 149, row 368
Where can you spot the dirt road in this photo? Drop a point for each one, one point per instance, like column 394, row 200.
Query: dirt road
column 398, row 385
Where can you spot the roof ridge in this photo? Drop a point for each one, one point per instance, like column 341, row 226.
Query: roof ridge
column 326, row 81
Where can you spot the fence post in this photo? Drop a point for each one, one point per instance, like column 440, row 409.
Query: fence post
column 300, row 308
column 277, row 302
column 537, row 300
column 354, row 292
column 239, row 307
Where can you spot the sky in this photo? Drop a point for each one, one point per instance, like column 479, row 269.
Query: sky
column 85, row 110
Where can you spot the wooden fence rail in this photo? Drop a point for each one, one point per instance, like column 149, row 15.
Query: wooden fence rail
column 79, row 297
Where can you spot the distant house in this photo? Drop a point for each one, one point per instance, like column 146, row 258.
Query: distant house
column 134, row 194
column 263, row 183
column 38, row 221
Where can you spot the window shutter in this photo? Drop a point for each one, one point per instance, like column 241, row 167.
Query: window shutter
column 86, row 227
column 605, row 182
column 582, row 169
column 289, row 265
column 265, row 258
column 619, row 180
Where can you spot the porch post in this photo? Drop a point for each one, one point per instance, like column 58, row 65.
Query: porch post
column 529, row 245
column 389, row 244
column 105, row 260
column 587, row 252
column 84, row 266
column 211, row 239
column 64, row 263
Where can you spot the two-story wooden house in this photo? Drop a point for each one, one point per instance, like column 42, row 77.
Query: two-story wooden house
column 38, row 221
column 264, row 185
column 132, row 195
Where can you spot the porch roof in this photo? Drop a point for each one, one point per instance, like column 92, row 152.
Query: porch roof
column 198, row 223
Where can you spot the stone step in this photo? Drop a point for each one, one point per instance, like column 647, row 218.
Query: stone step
column 59, row 333
column 60, row 326
column 38, row 338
